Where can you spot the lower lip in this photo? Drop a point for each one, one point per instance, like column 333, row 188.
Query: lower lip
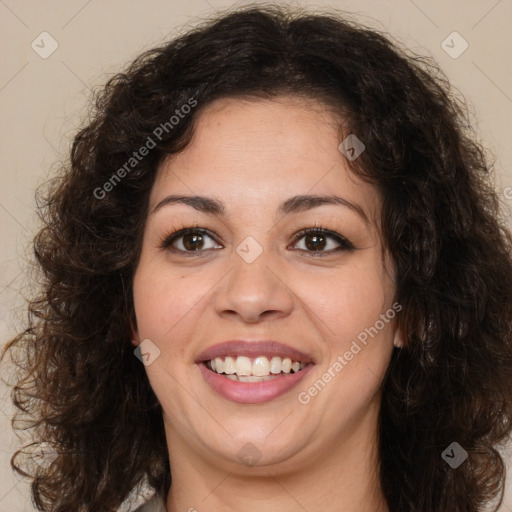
column 252, row 392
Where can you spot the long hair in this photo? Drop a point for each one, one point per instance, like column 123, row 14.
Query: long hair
column 88, row 397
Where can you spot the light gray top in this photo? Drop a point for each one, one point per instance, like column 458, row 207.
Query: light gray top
column 156, row 504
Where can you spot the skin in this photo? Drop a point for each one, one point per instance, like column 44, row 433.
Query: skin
column 252, row 155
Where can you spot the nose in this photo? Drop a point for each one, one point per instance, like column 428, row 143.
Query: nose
column 254, row 292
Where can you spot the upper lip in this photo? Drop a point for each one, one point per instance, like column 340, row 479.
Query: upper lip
column 267, row 348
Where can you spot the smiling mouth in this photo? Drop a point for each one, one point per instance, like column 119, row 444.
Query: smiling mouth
column 257, row 369
column 253, row 380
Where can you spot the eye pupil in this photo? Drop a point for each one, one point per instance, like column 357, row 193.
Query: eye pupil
column 318, row 242
column 192, row 241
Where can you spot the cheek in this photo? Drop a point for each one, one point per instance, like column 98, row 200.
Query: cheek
column 162, row 300
column 349, row 300
column 359, row 341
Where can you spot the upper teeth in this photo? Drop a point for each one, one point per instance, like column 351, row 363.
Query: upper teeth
column 260, row 367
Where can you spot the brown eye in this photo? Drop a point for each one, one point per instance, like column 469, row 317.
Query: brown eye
column 315, row 242
column 192, row 241
column 321, row 242
column 189, row 241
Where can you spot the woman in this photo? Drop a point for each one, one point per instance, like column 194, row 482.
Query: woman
column 274, row 277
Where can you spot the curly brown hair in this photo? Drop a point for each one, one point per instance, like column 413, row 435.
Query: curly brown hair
column 89, row 397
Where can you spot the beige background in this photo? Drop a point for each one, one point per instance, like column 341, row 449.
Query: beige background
column 43, row 100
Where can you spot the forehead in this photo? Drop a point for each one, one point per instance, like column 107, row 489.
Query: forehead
column 261, row 152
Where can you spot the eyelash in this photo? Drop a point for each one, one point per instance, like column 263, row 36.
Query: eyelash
column 345, row 244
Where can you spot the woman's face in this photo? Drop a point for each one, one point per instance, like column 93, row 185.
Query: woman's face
column 255, row 175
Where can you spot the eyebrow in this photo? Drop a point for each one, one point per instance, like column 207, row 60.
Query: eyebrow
column 294, row 204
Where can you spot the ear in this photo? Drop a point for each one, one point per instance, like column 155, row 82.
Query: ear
column 135, row 334
column 398, row 339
